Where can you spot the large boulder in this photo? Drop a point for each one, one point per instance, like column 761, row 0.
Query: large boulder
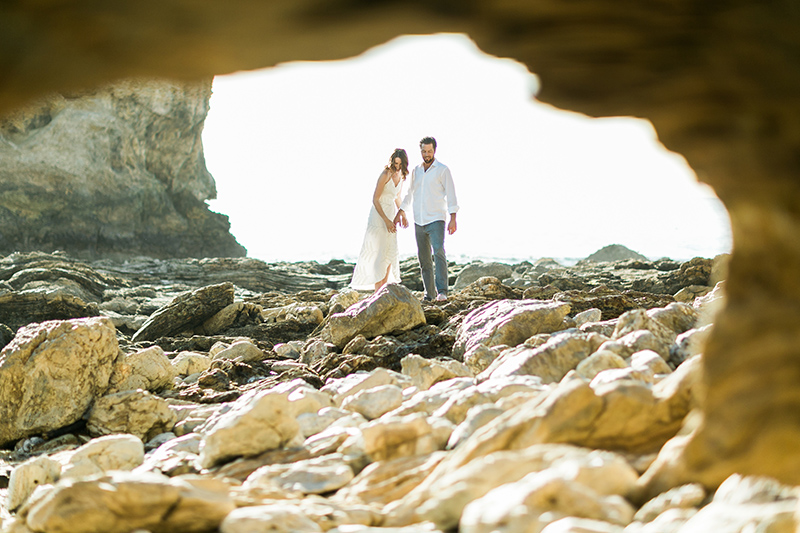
column 186, row 311
column 52, row 372
column 117, row 170
column 508, row 322
column 392, row 308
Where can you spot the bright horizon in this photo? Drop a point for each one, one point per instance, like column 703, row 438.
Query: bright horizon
column 296, row 149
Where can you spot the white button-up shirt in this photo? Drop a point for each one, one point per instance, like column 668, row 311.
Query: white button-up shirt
column 432, row 192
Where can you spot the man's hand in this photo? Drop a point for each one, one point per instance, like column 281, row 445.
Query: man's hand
column 452, row 226
column 400, row 218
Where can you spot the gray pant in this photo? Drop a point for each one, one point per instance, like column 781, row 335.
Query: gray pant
column 431, row 236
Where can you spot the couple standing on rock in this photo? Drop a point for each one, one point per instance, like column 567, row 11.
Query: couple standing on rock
column 433, row 196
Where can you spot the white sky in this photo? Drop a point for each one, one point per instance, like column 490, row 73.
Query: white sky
column 296, row 150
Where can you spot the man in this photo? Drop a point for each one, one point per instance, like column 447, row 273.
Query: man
column 434, row 196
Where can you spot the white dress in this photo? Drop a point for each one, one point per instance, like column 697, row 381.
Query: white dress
column 379, row 248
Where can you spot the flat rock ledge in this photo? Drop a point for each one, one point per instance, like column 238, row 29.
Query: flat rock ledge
column 233, row 395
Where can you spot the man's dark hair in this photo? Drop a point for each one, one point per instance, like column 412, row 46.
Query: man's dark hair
column 428, row 140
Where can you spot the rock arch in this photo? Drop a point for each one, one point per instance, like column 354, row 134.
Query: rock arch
column 719, row 80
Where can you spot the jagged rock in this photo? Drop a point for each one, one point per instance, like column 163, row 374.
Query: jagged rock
column 136, row 412
column 747, row 502
column 393, row 437
column 599, row 361
column 187, row 363
column 26, row 477
column 186, row 312
column 256, row 424
column 103, row 454
column 243, row 350
column 551, row 361
column 132, row 145
column 124, row 501
column 474, row 271
column 392, row 308
column 383, row 482
column 235, row 313
column 685, row 496
column 539, row 498
column 52, row 372
column 319, row 475
column 149, row 369
column 375, row 402
column 508, row 322
column 446, row 492
column 426, row 372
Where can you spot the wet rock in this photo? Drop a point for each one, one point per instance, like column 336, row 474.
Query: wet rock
column 392, row 308
column 52, row 372
column 186, row 312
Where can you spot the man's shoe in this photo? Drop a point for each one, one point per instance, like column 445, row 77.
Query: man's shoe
column 441, row 297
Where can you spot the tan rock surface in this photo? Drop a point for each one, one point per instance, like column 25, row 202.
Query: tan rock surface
column 125, row 501
column 392, row 308
column 508, row 322
column 52, row 372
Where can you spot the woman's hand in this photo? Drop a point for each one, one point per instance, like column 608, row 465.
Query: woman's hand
column 390, row 227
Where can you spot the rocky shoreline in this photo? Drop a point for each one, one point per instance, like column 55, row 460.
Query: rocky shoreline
column 231, row 395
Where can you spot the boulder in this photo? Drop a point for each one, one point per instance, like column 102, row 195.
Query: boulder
column 392, row 308
column 121, row 502
column 244, row 351
column 444, row 495
column 52, row 372
column 34, row 472
column 319, row 475
column 426, row 372
column 508, row 322
column 256, row 423
column 551, row 361
column 384, row 482
column 136, row 412
column 103, row 454
column 187, row 363
column 539, row 498
column 375, row 402
column 186, row 312
column 149, row 369
column 474, row 271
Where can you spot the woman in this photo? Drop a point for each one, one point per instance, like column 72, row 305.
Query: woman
column 378, row 263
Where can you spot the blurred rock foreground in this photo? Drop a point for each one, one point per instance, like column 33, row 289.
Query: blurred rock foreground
column 118, row 171
column 233, row 395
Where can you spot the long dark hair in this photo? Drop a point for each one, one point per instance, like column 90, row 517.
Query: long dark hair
column 399, row 152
